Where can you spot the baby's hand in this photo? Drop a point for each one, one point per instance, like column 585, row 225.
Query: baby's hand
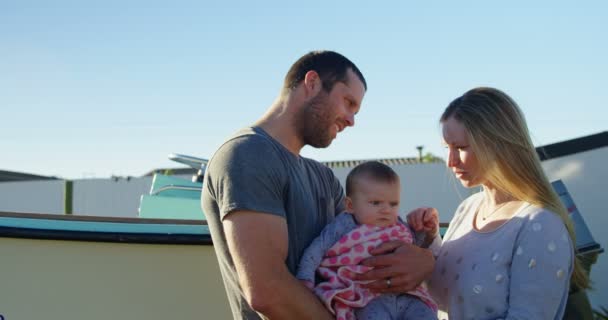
column 308, row 284
column 424, row 219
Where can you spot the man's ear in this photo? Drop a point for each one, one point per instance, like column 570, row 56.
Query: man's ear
column 348, row 203
column 312, row 83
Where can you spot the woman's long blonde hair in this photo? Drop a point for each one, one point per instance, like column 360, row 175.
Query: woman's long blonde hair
column 498, row 135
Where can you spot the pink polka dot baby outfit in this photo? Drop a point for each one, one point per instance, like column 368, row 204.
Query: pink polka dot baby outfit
column 338, row 290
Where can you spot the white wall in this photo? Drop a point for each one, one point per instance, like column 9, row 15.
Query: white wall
column 586, row 177
column 425, row 184
column 109, row 197
column 90, row 197
column 44, row 196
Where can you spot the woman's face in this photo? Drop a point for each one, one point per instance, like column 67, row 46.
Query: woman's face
column 460, row 158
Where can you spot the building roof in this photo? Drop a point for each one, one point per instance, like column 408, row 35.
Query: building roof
column 330, row 164
column 573, row 146
column 386, row 161
column 19, row 176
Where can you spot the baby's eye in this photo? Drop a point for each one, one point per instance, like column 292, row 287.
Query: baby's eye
column 375, row 203
column 394, row 204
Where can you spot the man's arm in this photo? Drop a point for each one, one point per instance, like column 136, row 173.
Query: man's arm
column 258, row 244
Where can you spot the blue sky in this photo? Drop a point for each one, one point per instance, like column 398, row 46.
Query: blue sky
column 100, row 88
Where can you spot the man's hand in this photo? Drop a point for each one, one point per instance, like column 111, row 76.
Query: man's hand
column 398, row 267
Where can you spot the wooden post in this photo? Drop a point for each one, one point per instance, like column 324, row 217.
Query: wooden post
column 67, row 196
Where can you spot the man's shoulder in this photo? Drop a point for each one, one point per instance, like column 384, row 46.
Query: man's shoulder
column 247, row 137
column 247, row 143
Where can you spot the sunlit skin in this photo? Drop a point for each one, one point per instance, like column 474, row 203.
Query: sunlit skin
column 329, row 113
column 375, row 202
column 345, row 100
column 461, row 159
column 460, row 156
column 464, row 164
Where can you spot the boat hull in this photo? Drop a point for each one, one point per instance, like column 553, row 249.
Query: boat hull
column 95, row 280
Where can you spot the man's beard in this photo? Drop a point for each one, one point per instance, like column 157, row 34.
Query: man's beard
column 315, row 122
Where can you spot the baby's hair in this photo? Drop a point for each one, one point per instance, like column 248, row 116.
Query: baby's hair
column 371, row 169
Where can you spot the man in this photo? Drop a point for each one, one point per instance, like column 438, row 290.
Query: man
column 265, row 203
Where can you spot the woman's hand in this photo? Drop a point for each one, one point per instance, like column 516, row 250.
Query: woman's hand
column 425, row 219
column 398, row 267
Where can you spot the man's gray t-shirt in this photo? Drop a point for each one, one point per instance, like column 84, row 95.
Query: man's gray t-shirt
column 252, row 171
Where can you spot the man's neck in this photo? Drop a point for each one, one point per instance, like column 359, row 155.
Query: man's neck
column 279, row 123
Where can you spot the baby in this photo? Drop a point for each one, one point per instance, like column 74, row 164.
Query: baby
column 371, row 218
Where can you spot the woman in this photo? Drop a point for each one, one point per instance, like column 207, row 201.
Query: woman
column 508, row 252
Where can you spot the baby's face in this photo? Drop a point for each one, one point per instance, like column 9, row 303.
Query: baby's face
column 375, row 203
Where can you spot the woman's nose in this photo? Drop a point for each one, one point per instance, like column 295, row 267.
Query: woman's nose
column 452, row 158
